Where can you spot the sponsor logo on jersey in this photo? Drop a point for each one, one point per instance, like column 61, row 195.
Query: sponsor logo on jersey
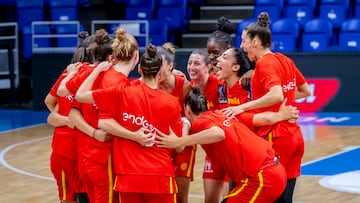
column 141, row 121
column 208, row 167
column 70, row 97
column 138, row 120
column 226, row 122
column 290, row 86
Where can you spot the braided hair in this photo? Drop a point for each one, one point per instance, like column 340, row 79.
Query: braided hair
column 222, row 34
column 150, row 62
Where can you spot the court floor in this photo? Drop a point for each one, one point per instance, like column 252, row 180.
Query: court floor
column 330, row 169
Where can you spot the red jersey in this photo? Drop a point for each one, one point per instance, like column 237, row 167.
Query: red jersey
column 64, row 137
column 245, row 153
column 246, row 118
column 276, row 69
column 232, row 96
column 211, row 92
column 74, row 83
column 178, row 90
column 141, row 106
column 135, row 81
column 235, row 96
column 90, row 147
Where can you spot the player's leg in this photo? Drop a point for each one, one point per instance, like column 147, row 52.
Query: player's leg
column 215, row 190
column 216, row 184
column 184, row 172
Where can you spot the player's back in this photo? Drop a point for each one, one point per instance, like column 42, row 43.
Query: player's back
column 143, row 106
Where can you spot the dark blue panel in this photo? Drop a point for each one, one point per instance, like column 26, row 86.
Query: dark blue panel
column 335, row 164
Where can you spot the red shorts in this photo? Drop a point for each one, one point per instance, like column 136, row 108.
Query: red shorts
column 130, row 197
column 290, row 150
column 185, row 162
column 98, row 179
column 212, row 171
column 145, row 184
column 65, row 172
column 266, row 187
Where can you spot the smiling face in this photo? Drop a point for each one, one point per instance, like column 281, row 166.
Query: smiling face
column 248, row 45
column 227, row 65
column 197, row 67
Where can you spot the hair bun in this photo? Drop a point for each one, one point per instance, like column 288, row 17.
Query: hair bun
column 169, row 47
column 101, row 36
column 223, row 24
column 196, row 89
column 151, row 50
column 121, row 34
column 263, row 19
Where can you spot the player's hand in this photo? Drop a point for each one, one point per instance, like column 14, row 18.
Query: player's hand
column 168, row 141
column 70, row 124
column 288, row 112
column 232, row 111
column 73, row 68
column 101, row 135
column 104, row 66
column 145, row 137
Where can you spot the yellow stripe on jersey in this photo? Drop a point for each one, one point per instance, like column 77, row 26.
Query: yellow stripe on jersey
column 171, row 185
column 111, row 183
column 245, row 183
column 115, row 187
column 236, row 192
column 258, row 190
column 191, row 162
column 175, row 198
column 270, row 137
column 63, row 184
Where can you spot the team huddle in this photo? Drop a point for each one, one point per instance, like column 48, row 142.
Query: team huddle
column 134, row 140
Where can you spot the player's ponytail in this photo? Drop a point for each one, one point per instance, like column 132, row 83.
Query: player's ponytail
column 196, row 100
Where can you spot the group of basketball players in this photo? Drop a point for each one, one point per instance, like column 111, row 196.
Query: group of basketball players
column 121, row 140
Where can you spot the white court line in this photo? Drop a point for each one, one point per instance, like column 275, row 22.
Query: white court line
column 5, row 164
column 345, row 150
